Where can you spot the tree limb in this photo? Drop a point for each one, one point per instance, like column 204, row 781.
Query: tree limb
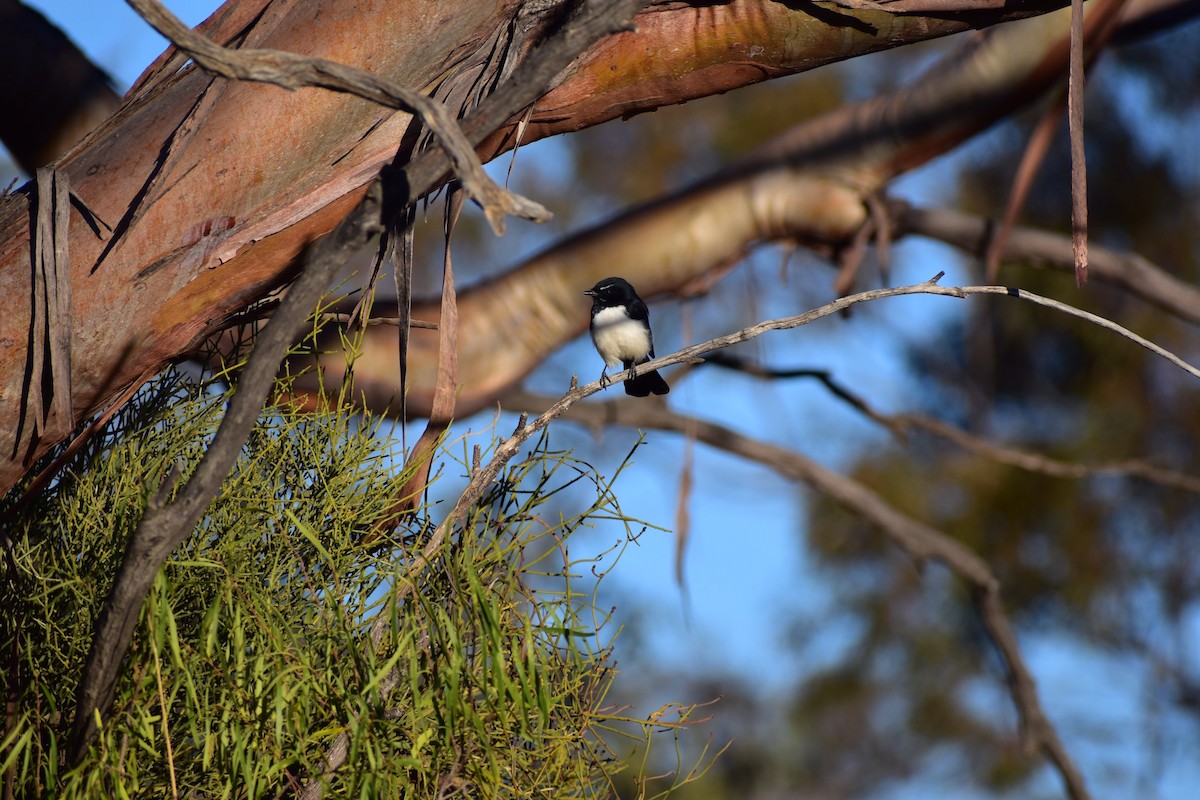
column 900, row 425
column 1129, row 271
column 292, row 71
column 920, row 541
column 166, row 525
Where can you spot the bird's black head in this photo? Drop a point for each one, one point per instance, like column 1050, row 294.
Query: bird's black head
column 611, row 292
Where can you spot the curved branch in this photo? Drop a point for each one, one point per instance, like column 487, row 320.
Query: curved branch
column 900, row 424
column 292, row 71
column 1129, row 271
column 919, row 540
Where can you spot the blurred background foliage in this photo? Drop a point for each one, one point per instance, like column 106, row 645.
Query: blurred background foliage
column 1101, row 569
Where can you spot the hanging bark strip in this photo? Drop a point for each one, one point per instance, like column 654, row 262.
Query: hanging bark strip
column 1075, row 82
column 292, row 71
column 420, row 460
column 48, row 403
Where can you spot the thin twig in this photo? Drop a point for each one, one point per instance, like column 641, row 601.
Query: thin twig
column 1129, row 271
column 922, row 543
column 344, row 318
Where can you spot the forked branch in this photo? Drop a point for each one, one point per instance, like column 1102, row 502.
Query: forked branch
column 920, row 541
column 510, row 446
column 293, row 71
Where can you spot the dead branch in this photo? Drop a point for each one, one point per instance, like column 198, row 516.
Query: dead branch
column 1129, row 271
column 900, row 425
column 292, row 71
column 921, row 542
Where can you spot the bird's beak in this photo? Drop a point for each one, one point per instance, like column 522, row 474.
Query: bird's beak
column 590, row 293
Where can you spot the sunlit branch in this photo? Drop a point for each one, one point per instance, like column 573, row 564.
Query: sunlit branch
column 292, row 71
column 920, row 541
column 901, row 424
column 1129, row 271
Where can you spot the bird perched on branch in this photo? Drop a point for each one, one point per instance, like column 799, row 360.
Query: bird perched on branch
column 621, row 332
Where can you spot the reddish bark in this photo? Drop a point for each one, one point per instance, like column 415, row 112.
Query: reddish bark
column 214, row 187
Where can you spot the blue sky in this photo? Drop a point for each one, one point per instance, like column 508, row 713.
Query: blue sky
column 740, row 568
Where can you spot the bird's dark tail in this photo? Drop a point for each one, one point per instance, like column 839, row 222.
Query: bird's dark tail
column 646, row 384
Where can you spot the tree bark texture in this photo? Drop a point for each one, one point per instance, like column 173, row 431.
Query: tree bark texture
column 195, row 199
column 809, row 186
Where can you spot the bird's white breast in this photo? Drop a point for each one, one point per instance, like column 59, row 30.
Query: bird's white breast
column 619, row 338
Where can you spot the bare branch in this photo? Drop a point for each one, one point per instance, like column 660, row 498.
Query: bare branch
column 1130, row 271
column 292, row 71
column 265, row 309
column 920, row 541
column 900, row 425
column 337, row 316
column 1037, row 462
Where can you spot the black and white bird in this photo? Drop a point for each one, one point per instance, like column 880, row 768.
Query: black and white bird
column 621, row 332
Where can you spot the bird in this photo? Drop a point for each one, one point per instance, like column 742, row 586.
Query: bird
column 621, row 332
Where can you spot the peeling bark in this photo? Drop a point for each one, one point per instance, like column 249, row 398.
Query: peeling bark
column 810, row 186
column 212, row 188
